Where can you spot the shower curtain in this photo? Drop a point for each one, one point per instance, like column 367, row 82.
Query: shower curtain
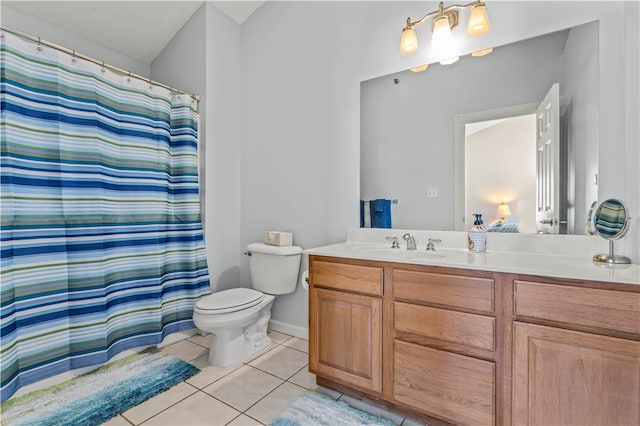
column 102, row 244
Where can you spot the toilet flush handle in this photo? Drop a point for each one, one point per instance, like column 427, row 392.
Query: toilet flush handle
column 247, row 253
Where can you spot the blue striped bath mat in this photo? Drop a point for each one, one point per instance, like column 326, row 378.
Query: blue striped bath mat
column 97, row 396
column 316, row 409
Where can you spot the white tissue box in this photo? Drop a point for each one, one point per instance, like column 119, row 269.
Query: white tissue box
column 278, row 238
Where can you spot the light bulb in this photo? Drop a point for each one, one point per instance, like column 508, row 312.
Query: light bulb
column 449, row 61
column 441, row 39
column 482, row 52
column 419, row 68
column 478, row 20
column 409, row 41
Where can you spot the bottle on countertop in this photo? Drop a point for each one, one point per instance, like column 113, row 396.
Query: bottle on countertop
column 477, row 235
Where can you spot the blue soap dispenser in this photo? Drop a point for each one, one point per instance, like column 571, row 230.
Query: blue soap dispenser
column 477, row 235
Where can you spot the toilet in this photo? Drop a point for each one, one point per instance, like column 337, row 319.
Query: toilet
column 238, row 318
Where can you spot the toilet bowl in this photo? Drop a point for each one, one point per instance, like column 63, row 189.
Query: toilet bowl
column 238, row 318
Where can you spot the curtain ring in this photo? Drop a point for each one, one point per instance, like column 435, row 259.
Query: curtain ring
column 73, row 57
column 39, row 45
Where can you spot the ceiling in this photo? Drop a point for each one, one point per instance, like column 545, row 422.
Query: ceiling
column 139, row 29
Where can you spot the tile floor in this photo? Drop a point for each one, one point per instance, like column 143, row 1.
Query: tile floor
column 252, row 393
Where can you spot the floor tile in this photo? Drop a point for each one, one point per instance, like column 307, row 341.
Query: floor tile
column 153, row 406
column 276, row 402
column 208, row 374
column 282, row 361
column 185, row 350
column 372, row 409
column 243, row 420
column 198, row 409
column 243, row 387
column 276, row 337
column 204, row 341
column 116, row 421
column 299, row 344
column 304, row 378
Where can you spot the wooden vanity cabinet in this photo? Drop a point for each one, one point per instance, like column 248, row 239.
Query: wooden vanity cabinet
column 576, row 354
column 345, row 323
column 476, row 347
column 443, row 343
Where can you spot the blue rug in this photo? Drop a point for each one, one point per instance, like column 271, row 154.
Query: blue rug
column 95, row 397
column 316, row 409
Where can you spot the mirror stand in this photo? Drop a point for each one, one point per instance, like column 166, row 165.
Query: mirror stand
column 610, row 220
column 611, row 258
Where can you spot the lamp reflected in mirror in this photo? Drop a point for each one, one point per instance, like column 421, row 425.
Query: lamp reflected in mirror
column 503, row 212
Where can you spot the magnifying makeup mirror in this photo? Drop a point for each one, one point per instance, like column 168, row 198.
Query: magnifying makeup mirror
column 610, row 220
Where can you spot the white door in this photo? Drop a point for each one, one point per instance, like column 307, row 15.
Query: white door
column 548, row 163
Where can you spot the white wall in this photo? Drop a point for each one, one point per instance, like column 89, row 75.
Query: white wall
column 500, row 166
column 18, row 21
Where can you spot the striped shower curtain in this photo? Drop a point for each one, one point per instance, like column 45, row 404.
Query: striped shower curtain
column 102, row 244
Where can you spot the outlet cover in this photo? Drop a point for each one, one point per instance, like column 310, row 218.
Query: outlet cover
column 432, row 192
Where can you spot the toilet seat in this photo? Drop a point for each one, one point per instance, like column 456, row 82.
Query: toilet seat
column 232, row 300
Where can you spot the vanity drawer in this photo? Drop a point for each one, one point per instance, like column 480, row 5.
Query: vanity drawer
column 343, row 276
column 457, row 327
column 455, row 387
column 609, row 309
column 443, row 289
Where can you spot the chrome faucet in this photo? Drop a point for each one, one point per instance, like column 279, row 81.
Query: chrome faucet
column 431, row 246
column 394, row 242
column 411, row 242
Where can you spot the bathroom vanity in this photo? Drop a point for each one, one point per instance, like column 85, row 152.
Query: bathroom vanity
column 477, row 338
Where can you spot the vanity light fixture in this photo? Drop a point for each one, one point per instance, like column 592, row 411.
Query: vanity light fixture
column 419, row 68
column 445, row 19
column 482, row 52
column 449, row 61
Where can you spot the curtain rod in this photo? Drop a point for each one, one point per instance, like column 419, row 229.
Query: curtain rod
column 97, row 62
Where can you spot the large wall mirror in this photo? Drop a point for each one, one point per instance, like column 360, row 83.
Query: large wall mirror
column 465, row 138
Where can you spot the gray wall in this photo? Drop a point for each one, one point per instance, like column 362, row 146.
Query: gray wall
column 301, row 135
column 580, row 124
column 205, row 57
column 407, row 129
column 288, row 155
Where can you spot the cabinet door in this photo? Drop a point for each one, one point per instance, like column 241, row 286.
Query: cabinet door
column 564, row 377
column 345, row 334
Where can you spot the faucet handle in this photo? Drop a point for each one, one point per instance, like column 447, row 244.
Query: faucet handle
column 431, row 246
column 394, row 243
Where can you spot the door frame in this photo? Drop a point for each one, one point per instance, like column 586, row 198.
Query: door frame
column 460, row 121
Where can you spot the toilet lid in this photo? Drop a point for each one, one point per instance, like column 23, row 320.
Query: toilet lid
column 232, row 300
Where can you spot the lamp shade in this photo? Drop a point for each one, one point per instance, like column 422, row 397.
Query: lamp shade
column 503, row 211
column 441, row 39
column 478, row 20
column 409, row 41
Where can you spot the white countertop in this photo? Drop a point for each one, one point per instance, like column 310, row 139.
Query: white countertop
column 550, row 264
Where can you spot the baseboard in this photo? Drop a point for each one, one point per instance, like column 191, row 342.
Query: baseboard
column 290, row 329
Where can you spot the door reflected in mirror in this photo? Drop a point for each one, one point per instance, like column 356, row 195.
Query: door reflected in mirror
column 413, row 128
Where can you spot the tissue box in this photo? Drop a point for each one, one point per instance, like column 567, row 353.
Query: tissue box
column 278, row 238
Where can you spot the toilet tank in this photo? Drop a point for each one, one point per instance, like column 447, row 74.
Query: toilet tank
column 274, row 269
